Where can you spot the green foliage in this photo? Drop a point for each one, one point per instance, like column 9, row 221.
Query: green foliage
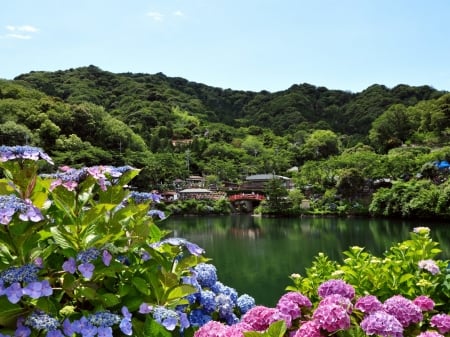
column 85, row 212
column 401, row 270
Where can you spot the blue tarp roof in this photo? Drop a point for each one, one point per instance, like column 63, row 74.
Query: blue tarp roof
column 443, row 164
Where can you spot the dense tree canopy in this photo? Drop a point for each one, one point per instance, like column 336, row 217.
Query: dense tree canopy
column 338, row 142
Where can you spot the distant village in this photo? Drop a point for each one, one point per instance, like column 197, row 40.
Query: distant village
column 194, row 187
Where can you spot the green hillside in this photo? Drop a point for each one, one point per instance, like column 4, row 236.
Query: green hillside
column 172, row 128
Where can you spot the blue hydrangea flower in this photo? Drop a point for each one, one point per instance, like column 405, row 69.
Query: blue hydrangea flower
column 14, row 292
column 208, row 300
column 38, row 289
column 166, row 317
column 225, row 305
column 87, row 270
column 11, row 204
column 40, row 320
column 70, row 265
column 23, row 152
column 198, row 317
column 206, row 274
column 106, row 257
column 88, row 255
column 193, row 248
column 156, row 212
column 245, row 302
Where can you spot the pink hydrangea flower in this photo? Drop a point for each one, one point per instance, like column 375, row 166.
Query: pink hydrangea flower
column 424, row 303
column 368, row 304
column 441, row 322
column 309, row 329
column 332, row 317
column 430, row 334
column 339, row 300
column 336, row 287
column 403, row 309
column 259, row 317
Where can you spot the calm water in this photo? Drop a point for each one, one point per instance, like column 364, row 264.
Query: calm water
column 256, row 255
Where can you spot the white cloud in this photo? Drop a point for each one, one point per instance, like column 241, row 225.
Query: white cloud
column 157, row 16
column 178, row 13
column 18, row 36
column 20, row 32
column 25, row 28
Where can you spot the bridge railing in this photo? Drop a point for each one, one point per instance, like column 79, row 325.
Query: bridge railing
column 246, row 196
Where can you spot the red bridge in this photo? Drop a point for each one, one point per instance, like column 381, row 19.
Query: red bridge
column 246, row 196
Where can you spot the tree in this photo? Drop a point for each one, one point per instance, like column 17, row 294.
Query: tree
column 320, row 144
column 391, row 129
column 276, row 197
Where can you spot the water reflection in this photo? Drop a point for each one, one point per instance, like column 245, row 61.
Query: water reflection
column 256, row 255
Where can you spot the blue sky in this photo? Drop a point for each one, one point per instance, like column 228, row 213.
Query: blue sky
column 239, row 44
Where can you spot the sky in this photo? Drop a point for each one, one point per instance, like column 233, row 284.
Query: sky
column 249, row 45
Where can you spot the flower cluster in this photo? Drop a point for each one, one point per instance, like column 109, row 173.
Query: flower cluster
column 11, row 204
column 85, row 259
column 70, row 178
column 334, row 313
column 16, row 282
column 430, row 266
column 23, row 152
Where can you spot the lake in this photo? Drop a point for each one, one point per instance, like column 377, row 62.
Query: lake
column 256, row 255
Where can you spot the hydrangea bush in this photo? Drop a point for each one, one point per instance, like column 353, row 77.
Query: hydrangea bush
column 80, row 255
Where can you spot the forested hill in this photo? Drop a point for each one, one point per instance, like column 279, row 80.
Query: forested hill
column 172, row 128
column 147, row 98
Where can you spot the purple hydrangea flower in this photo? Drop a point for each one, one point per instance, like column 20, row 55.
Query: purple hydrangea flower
column 403, row 309
column 430, row 266
column 105, row 331
column 70, row 265
column 336, row 287
column 332, row 317
column 225, row 305
column 291, row 304
column 339, row 300
column 38, row 289
column 87, row 270
column 381, row 323
column 106, row 257
column 368, row 304
column 430, row 334
column 14, row 292
column 11, row 204
column 145, row 308
column 441, row 322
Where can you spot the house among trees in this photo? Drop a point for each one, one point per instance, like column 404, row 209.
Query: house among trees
column 257, row 182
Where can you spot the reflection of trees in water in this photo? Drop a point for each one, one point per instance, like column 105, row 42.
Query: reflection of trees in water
column 244, row 227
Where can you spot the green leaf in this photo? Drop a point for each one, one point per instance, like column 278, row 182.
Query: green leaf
column 180, row 291
column 87, row 292
column 154, row 329
column 277, row 329
column 9, row 312
column 141, row 285
column 110, row 300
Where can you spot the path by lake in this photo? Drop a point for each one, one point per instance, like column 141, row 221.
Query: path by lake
column 256, row 255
